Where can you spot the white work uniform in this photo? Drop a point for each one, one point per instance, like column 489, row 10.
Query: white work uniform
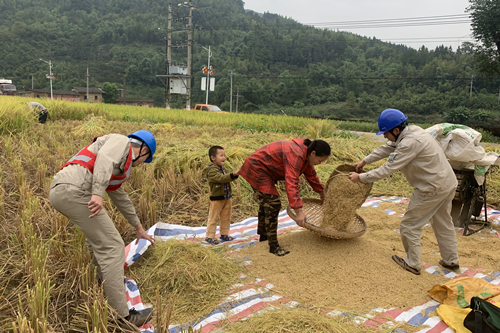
column 70, row 192
column 417, row 154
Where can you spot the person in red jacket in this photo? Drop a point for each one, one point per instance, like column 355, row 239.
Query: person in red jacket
column 282, row 160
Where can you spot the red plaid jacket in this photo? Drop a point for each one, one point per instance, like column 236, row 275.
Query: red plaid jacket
column 281, row 160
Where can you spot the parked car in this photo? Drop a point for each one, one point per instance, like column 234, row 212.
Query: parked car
column 208, row 107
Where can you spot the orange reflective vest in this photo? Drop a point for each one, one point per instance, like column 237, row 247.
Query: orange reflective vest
column 87, row 159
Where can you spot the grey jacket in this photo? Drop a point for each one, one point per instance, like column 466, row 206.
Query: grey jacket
column 112, row 152
column 418, row 155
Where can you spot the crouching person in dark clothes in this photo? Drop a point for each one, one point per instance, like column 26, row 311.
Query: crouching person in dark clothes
column 42, row 111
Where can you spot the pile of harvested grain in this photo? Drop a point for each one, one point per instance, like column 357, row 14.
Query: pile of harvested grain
column 357, row 275
column 342, row 199
column 193, row 277
column 308, row 320
column 351, row 275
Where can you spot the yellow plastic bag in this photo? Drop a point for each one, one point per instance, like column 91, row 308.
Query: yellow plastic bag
column 453, row 317
column 459, row 291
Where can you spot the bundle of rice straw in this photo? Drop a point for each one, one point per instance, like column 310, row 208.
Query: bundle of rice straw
column 192, row 277
column 342, row 199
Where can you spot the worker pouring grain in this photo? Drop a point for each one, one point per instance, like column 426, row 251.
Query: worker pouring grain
column 282, row 160
column 77, row 191
column 418, row 155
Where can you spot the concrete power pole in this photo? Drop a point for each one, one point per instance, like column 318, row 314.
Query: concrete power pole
column 169, row 55
column 87, row 84
column 231, row 94
column 189, row 59
column 237, row 95
column 208, row 75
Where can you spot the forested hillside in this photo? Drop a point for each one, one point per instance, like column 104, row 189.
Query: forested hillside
column 278, row 63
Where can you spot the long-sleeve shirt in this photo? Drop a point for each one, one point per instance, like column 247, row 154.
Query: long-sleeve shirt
column 281, row 160
column 418, row 155
column 112, row 151
column 37, row 106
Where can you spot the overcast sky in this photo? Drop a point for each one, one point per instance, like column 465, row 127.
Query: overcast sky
column 320, row 12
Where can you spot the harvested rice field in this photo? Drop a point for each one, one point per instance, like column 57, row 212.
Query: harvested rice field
column 49, row 282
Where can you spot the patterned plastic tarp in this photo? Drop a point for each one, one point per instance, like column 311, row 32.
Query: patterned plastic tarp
column 257, row 295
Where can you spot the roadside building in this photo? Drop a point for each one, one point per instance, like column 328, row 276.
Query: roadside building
column 62, row 95
column 135, row 102
column 95, row 94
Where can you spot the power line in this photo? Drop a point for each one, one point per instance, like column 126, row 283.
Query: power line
column 396, row 25
column 368, row 78
column 412, row 38
column 426, row 39
column 404, row 19
column 381, row 23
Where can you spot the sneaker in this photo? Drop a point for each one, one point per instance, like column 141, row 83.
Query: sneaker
column 453, row 267
column 139, row 318
column 279, row 251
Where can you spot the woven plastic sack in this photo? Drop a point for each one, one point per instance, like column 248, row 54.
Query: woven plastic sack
column 461, row 145
column 458, row 292
column 453, row 317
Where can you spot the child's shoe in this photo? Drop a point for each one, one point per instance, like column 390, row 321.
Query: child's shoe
column 212, row 241
column 226, row 238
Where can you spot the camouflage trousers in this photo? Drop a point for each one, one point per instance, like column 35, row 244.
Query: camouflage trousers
column 269, row 209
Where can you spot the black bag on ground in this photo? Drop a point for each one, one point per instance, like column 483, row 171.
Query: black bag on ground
column 484, row 317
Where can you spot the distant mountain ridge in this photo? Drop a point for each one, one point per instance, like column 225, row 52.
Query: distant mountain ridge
column 276, row 61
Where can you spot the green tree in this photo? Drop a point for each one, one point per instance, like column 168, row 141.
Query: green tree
column 110, row 92
column 457, row 115
column 485, row 29
column 351, row 99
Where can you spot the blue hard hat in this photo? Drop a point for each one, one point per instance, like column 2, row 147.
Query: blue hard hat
column 149, row 140
column 389, row 119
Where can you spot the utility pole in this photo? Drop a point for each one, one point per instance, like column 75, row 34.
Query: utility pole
column 124, row 91
column 169, row 56
column 50, row 77
column 237, row 95
column 189, row 59
column 231, row 94
column 208, row 74
column 207, row 85
column 32, row 81
column 177, row 75
column 87, row 83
